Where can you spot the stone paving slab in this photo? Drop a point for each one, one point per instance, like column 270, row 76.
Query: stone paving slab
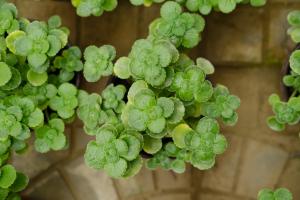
column 236, row 37
column 118, row 28
column 89, row 184
column 49, row 188
column 142, row 183
column 172, row 196
column 291, row 176
column 261, row 167
column 168, row 180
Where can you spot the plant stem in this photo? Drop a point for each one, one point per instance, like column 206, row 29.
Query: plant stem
column 294, row 93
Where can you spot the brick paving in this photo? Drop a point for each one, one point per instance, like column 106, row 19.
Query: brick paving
column 247, row 48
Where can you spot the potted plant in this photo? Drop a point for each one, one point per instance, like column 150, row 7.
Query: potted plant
column 165, row 110
column 85, row 8
column 288, row 111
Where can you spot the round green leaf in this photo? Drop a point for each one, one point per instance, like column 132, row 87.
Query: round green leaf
column 170, row 10
column 8, row 176
column 157, row 125
column 121, row 68
column 205, row 65
column 167, row 105
column 36, row 118
column 295, row 61
column 266, row 194
column 116, row 170
column 151, row 145
column 178, row 166
column 5, row 73
column 59, row 142
column 220, row 144
column 133, row 167
column 179, row 111
column 20, row 183
column 179, row 133
column 274, row 124
column 12, row 38
column 37, row 79
column 283, row 194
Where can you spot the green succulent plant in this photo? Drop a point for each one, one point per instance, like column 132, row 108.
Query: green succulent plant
column 278, row 194
column 85, row 8
column 181, row 28
column 40, row 95
column 170, row 157
column 294, row 21
column 50, row 136
column 145, row 2
column 148, row 60
column 285, row 112
column 90, row 111
column 116, row 150
column 169, row 112
column 65, row 102
column 8, row 15
column 98, row 62
column 222, row 104
column 225, row 6
column 113, row 97
column 288, row 112
column 38, row 42
column 11, row 182
column 69, row 63
column 145, row 112
column 191, row 85
column 17, row 115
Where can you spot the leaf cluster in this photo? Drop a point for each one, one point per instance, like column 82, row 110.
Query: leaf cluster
column 69, row 63
column 65, row 102
column 205, row 7
column 284, row 112
column 181, row 28
column 98, row 62
column 38, row 42
column 8, row 15
column 116, row 150
column 96, row 110
column 148, row 60
column 11, row 182
column 85, row 8
column 50, row 136
column 294, row 22
column 145, row 112
column 278, row 194
column 224, row 6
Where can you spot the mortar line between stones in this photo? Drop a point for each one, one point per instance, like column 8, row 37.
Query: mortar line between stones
column 155, row 185
column 239, row 166
column 54, row 167
column 68, row 185
column 195, row 191
column 155, row 180
column 238, row 64
column 265, row 32
column 116, row 189
column 72, row 140
column 286, row 164
column 266, row 141
column 224, row 194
